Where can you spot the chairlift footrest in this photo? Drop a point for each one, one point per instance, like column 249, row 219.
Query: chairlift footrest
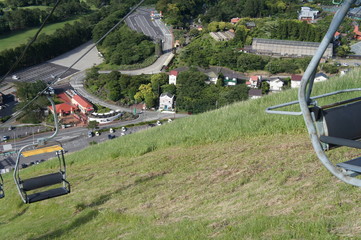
column 52, row 193
column 351, row 165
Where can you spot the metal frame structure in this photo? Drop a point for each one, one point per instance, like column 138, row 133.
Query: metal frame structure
column 42, row 146
column 322, row 136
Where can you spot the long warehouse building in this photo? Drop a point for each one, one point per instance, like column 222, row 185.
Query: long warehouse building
column 288, row 48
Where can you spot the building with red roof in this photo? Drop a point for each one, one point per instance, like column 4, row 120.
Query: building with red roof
column 82, row 104
column 235, row 20
column 63, row 109
column 173, row 77
column 357, row 33
column 254, row 81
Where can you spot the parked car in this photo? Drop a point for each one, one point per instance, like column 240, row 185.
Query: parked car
column 5, row 138
column 15, row 77
column 124, row 129
column 97, row 133
column 111, row 130
column 90, row 134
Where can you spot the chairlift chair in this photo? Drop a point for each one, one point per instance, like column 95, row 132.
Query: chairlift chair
column 2, row 193
column 332, row 125
column 38, row 188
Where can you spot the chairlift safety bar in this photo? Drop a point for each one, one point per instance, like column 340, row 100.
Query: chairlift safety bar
column 272, row 111
column 38, row 151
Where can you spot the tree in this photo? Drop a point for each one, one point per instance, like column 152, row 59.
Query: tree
column 146, row 94
column 33, row 113
column 157, row 81
column 92, row 125
column 265, row 87
column 220, row 80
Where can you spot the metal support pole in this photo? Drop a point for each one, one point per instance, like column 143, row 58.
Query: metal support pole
column 308, row 81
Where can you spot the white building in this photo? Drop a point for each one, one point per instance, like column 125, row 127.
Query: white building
column 320, row 77
column 166, row 102
column 230, row 81
column 173, row 77
column 276, row 84
column 254, row 81
column 212, row 77
column 295, row 80
column 102, row 118
column 307, row 14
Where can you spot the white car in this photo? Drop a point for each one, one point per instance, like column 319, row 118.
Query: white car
column 15, row 77
column 97, row 133
column 111, row 130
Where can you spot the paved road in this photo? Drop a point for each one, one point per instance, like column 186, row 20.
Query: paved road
column 72, row 139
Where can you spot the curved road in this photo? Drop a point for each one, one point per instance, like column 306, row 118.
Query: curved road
column 77, row 80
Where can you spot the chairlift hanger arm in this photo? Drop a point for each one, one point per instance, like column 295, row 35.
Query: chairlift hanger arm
column 304, row 99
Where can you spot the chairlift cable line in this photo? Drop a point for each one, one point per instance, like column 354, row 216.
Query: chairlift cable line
column 17, row 113
column 101, row 39
column 31, row 41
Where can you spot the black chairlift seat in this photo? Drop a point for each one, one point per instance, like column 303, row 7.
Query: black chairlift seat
column 339, row 124
column 28, row 187
column 2, row 193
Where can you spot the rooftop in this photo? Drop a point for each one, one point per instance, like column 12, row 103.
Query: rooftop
column 286, row 42
column 83, row 102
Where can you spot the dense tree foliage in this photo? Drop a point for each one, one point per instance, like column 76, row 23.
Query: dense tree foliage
column 115, row 86
column 296, row 30
column 125, row 46
column 224, row 10
column 47, row 46
column 26, row 91
column 192, row 93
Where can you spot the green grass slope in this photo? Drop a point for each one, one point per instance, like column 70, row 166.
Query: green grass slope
column 233, row 173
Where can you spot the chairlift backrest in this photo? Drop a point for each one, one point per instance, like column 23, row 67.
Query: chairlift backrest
column 340, row 120
column 2, row 193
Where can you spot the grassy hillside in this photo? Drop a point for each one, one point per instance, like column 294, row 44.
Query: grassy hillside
column 13, row 40
column 234, row 173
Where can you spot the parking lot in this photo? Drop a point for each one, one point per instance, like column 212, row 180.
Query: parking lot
column 45, row 72
column 140, row 21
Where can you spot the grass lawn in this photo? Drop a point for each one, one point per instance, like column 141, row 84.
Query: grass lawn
column 232, row 173
column 13, row 40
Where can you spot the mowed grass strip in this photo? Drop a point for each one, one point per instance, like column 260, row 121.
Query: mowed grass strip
column 14, row 40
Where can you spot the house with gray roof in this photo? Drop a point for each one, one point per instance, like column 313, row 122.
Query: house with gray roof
column 166, row 101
